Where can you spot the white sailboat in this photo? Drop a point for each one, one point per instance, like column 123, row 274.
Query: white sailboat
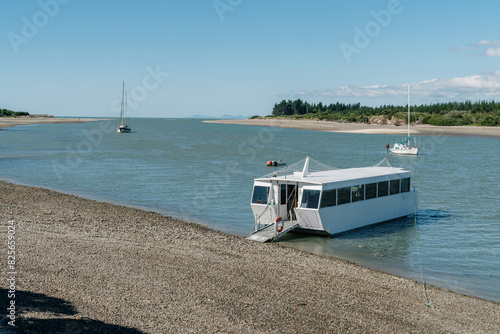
column 123, row 127
column 404, row 147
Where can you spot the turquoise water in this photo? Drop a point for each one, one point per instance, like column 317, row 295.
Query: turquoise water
column 204, row 172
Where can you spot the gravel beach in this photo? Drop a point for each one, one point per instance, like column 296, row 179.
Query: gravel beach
column 85, row 266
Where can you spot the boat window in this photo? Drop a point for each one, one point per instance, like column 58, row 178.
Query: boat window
column 310, row 199
column 260, row 194
column 395, row 187
column 405, row 185
column 371, row 191
column 329, row 198
column 358, row 193
column 283, row 194
column 383, row 188
column 344, row 195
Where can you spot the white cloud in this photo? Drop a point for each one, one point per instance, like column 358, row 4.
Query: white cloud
column 488, row 43
column 492, row 52
column 481, row 45
column 479, row 86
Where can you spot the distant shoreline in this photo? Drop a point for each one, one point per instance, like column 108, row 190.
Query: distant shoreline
column 327, row 126
column 7, row 122
column 425, row 130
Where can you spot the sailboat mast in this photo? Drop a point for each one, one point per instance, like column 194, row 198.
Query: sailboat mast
column 125, row 108
column 123, row 99
column 408, row 113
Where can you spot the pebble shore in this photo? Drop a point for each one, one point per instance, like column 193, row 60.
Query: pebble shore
column 85, row 266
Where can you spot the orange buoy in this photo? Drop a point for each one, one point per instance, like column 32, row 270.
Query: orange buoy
column 269, row 163
column 387, row 146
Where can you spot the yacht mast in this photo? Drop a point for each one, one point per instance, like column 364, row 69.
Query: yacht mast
column 123, row 102
column 125, row 109
column 408, row 113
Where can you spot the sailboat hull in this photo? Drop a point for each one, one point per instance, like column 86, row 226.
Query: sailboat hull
column 123, row 129
column 406, row 150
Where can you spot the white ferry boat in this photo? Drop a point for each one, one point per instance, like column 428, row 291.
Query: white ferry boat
column 312, row 197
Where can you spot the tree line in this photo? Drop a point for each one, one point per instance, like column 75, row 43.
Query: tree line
column 485, row 113
column 10, row 113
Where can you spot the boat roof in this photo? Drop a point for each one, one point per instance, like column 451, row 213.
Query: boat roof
column 338, row 175
column 331, row 175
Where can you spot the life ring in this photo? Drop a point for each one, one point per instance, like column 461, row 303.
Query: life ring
column 279, row 220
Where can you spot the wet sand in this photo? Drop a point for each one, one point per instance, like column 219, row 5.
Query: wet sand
column 426, row 130
column 7, row 122
column 85, row 266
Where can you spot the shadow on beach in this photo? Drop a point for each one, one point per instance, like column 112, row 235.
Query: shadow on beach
column 29, row 302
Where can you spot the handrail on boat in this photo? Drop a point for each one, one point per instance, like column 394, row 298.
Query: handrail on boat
column 263, row 211
column 257, row 218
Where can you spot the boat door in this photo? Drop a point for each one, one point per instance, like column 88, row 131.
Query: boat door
column 288, row 200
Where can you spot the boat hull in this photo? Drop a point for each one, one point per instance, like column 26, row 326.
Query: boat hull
column 121, row 129
column 408, row 150
column 343, row 218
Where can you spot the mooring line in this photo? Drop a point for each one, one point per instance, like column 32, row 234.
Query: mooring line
column 428, row 302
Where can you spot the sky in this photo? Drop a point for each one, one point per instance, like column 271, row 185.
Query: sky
column 240, row 57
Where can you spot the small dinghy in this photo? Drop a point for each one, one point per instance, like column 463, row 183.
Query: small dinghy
column 276, row 163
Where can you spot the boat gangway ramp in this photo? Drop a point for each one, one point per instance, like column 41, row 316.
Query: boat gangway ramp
column 273, row 232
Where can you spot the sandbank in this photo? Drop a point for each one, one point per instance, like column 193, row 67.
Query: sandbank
column 85, row 266
column 426, row 130
column 7, row 122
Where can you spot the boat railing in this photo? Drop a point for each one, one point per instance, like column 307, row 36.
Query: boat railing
column 283, row 226
column 258, row 225
column 280, row 226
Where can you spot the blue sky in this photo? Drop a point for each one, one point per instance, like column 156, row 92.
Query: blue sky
column 215, row 57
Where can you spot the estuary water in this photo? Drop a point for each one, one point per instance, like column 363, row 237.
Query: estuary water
column 203, row 172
